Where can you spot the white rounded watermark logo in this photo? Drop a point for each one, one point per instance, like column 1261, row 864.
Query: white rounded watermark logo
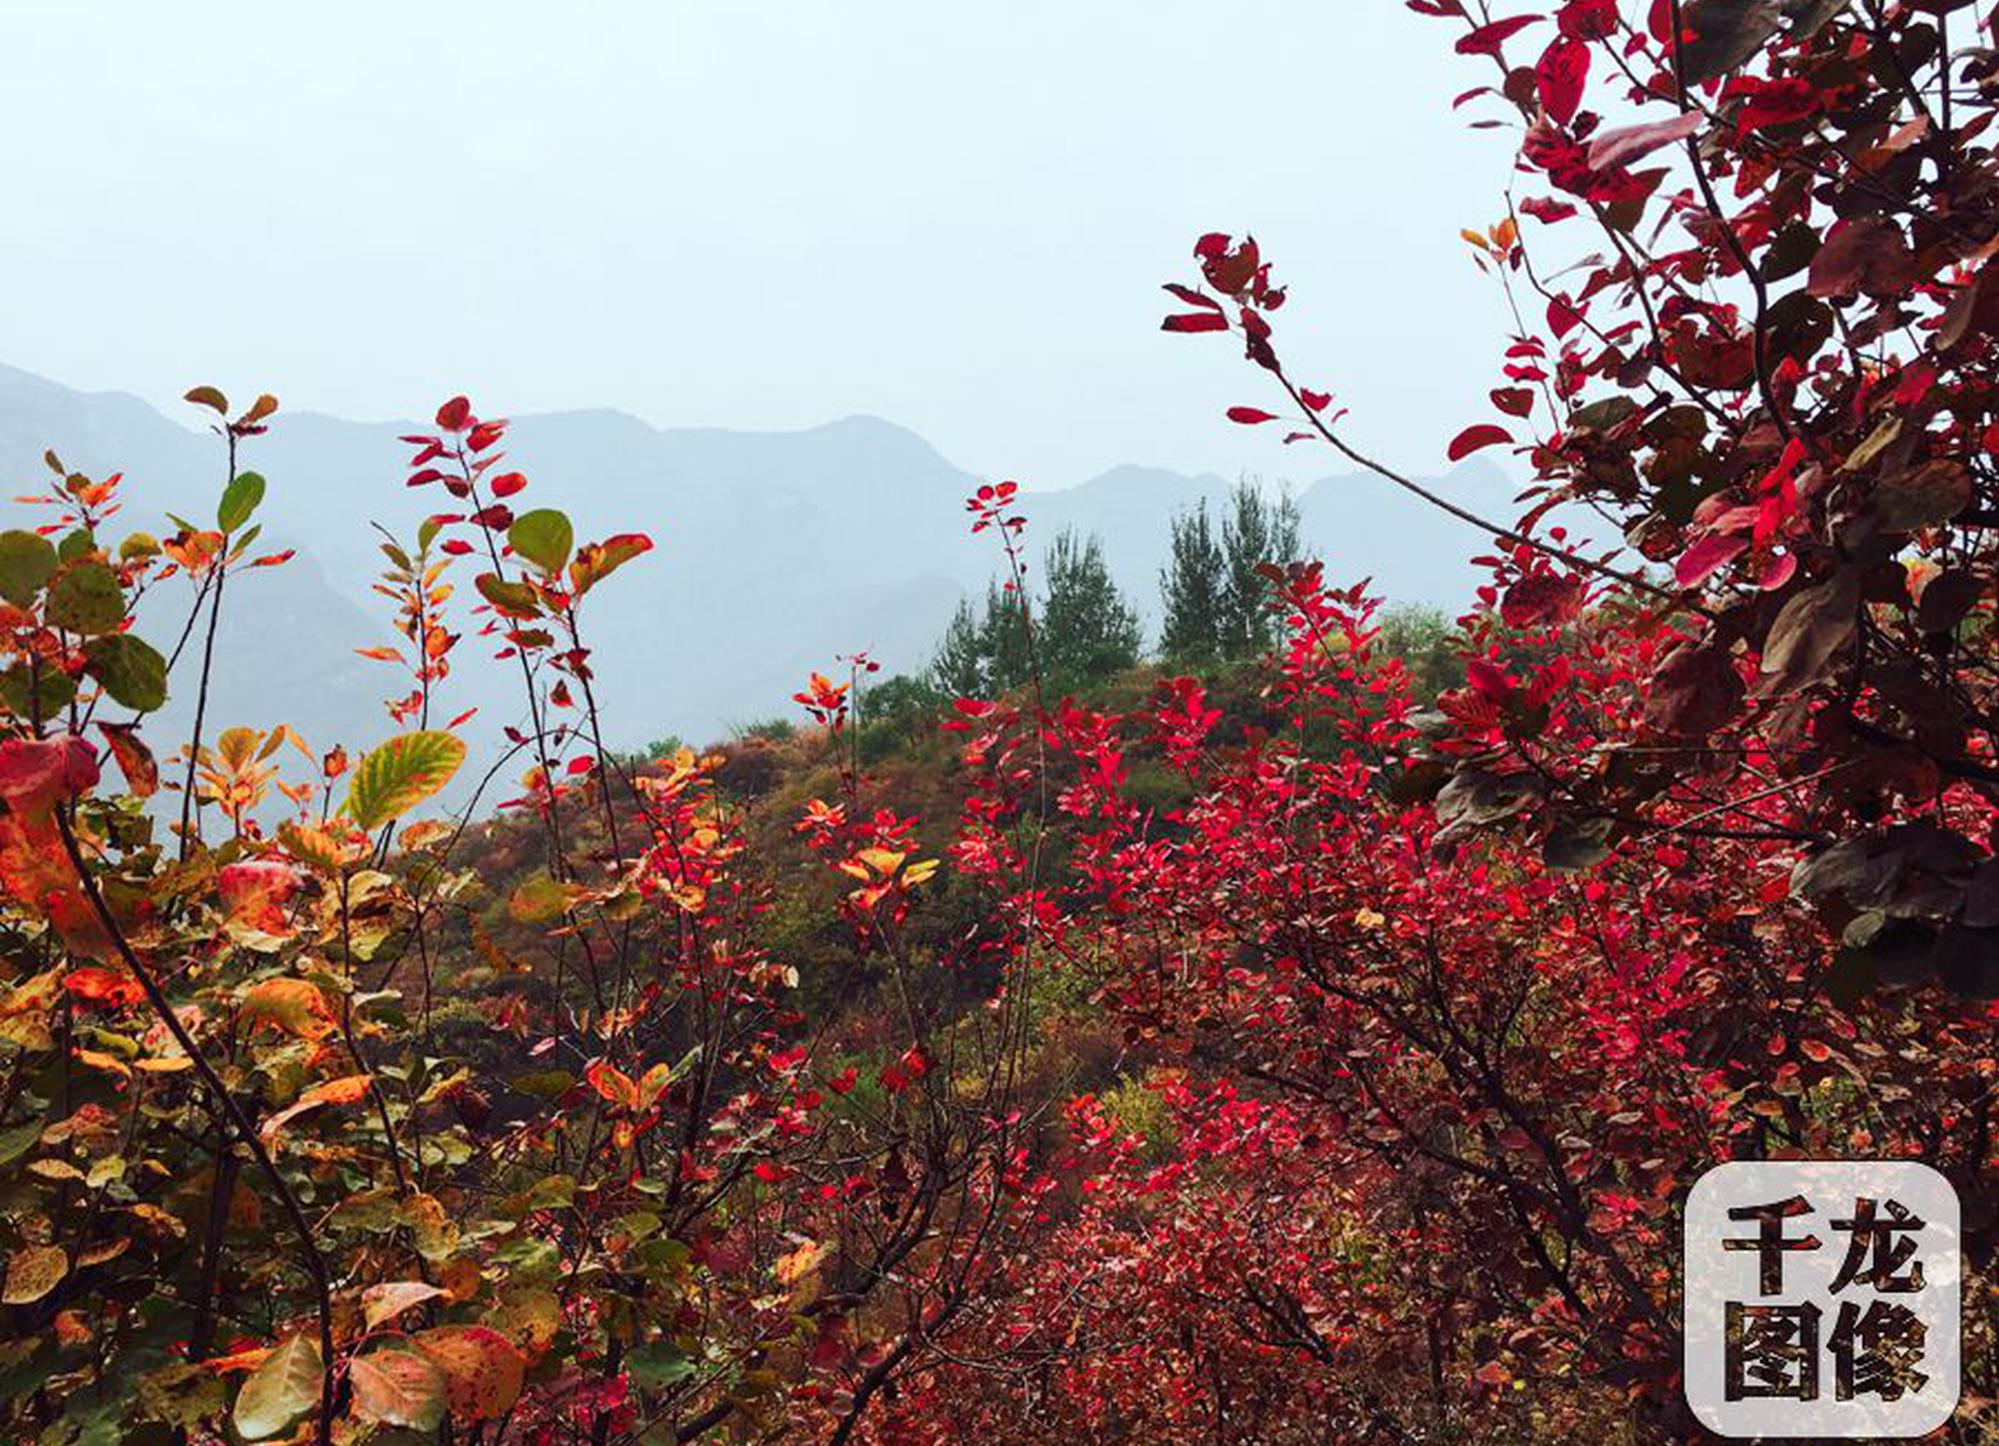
column 1822, row 1298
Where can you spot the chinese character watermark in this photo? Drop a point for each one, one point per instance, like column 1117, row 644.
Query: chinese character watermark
column 1822, row 1299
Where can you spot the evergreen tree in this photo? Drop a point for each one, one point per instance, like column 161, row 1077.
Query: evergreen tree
column 1191, row 590
column 959, row 668
column 1003, row 641
column 1087, row 631
column 1257, row 530
column 1084, row 630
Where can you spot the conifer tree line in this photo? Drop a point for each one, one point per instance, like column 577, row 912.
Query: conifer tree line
column 1213, row 604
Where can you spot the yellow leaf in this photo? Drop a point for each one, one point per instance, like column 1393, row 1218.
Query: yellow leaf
column 402, row 773
column 283, row 1388
column 398, row 1388
column 97, row 1059
column 291, row 1005
column 32, row 1272
column 385, row 1302
column 483, row 1370
column 317, row 849
column 343, row 1091
column 795, row 1265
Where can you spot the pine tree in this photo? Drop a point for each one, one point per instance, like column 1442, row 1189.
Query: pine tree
column 959, row 668
column 1087, row 631
column 1256, row 531
column 1003, row 641
column 1191, row 590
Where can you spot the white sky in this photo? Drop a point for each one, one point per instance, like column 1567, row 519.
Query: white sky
column 952, row 214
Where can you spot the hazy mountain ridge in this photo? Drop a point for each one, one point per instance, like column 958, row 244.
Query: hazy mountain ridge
column 777, row 551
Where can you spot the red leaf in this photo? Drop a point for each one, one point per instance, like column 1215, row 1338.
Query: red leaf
column 1487, row 680
column 1487, row 39
column 507, row 484
column 1773, row 102
column 103, row 986
column 1588, row 19
column 1628, row 143
column 1547, row 210
column 1708, row 556
column 1250, row 416
column 1192, row 297
column 35, row 772
column 454, row 414
column 1777, row 570
column 1560, row 77
column 1866, row 254
column 1473, row 439
column 1196, row 321
column 1542, row 597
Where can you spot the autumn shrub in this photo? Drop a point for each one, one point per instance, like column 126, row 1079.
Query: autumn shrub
column 1319, row 1052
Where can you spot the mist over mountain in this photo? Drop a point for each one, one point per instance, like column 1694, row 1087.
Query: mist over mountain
column 776, row 551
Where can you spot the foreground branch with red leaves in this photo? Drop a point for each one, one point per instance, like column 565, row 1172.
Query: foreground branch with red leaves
column 1323, row 1063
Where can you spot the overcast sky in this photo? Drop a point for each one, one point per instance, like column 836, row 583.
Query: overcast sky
column 760, row 215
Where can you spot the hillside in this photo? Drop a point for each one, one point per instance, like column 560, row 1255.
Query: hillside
column 777, row 551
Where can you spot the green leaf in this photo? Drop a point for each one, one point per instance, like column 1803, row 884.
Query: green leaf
column 540, row 900
column 543, row 537
column 657, row 1367
column 239, row 500
column 1602, row 416
column 401, row 774
column 36, row 692
column 79, row 542
column 1577, row 843
column 281, row 1390
column 514, row 599
column 18, row 1140
column 546, row 1084
column 26, row 562
column 131, row 670
column 180, row 1393
column 86, row 598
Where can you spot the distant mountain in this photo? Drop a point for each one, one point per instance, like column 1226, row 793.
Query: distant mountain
column 778, row 551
